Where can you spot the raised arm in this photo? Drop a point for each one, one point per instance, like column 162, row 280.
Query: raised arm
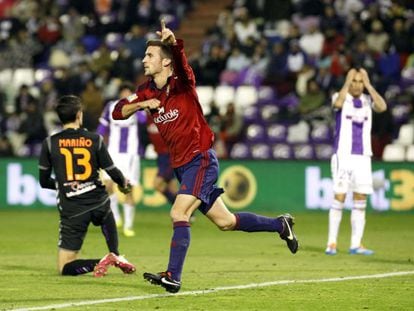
column 338, row 103
column 379, row 102
column 180, row 63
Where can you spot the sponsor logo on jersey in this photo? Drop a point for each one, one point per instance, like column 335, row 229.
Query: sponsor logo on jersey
column 169, row 116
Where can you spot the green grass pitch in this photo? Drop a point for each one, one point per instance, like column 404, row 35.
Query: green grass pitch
column 28, row 276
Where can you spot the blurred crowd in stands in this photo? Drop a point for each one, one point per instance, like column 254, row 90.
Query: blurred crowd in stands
column 300, row 49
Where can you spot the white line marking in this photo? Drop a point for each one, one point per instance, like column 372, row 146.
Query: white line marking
column 214, row 290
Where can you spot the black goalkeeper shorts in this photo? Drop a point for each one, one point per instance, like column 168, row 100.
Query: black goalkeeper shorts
column 72, row 231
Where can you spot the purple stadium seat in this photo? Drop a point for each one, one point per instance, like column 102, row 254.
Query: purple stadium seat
column 240, row 151
column 256, row 133
column 321, row 132
column 114, row 40
column 290, row 101
column 251, row 114
column 269, row 113
column 266, row 95
column 303, row 152
column 400, row 113
column 323, row 151
column 260, row 151
column 277, row 133
column 281, row 151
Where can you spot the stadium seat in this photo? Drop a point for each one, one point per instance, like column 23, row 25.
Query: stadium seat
column 240, row 151
column 245, row 96
column 223, row 95
column 281, row 151
column 277, row 133
column 393, row 153
column 303, row 152
column 260, row 151
column 269, row 113
column 114, row 40
column 266, row 95
column 321, row 132
column 298, row 133
column 405, row 135
column 206, row 97
column 400, row 113
column 410, row 153
column 323, row 151
column 256, row 133
column 251, row 115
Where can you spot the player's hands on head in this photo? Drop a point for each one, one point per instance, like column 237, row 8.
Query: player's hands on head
column 365, row 77
column 166, row 35
column 350, row 75
column 127, row 188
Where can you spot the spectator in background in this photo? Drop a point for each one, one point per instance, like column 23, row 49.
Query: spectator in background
column 277, row 68
column 312, row 101
column 33, row 129
column 231, row 128
column 377, row 38
column 93, row 105
column 23, row 99
column 6, row 149
column 245, row 27
column 312, row 42
column 213, row 66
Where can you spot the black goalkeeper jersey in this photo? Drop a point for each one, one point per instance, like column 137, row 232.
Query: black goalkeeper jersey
column 76, row 156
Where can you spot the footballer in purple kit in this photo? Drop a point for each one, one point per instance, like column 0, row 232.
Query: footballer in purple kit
column 170, row 96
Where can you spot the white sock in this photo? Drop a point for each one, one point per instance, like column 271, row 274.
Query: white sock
column 358, row 225
column 129, row 214
column 114, row 207
column 335, row 217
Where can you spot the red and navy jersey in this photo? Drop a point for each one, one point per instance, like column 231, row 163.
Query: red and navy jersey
column 155, row 137
column 179, row 118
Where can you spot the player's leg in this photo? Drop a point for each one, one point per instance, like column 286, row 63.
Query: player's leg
column 180, row 214
column 362, row 187
column 340, row 186
column 72, row 233
column 164, row 181
column 129, row 215
column 68, row 264
column 250, row 222
column 113, row 197
column 133, row 171
column 103, row 217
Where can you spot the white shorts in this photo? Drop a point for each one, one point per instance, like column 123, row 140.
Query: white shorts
column 351, row 173
column 129, row 164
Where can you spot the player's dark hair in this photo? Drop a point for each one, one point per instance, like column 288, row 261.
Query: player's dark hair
column 67, row 107
column 165, row 48
column 128, row 86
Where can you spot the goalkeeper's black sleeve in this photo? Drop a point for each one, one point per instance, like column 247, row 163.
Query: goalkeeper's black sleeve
column 116, row 175
column 45, row 180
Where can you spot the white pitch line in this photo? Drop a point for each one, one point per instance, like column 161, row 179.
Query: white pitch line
column 214, row 290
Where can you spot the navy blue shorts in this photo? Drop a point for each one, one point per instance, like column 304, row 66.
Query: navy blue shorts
column 164, row 167
column 198, row 178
